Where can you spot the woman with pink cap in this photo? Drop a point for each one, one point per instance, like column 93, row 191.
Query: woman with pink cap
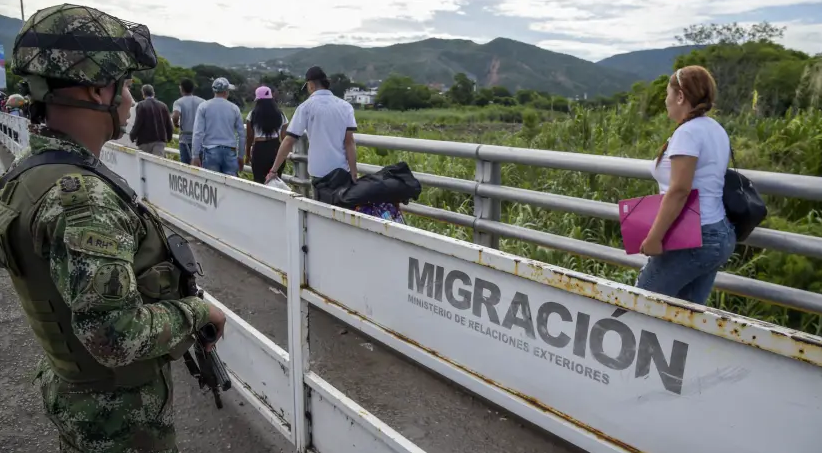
column 265, row 125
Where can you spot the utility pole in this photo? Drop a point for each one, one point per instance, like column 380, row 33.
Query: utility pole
column 22, row 13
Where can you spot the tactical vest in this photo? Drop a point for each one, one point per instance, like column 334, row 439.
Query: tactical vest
column 158, row 277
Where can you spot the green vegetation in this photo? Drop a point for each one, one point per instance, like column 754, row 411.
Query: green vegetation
column 769, row 103
column 789, row 144
column 772, row 116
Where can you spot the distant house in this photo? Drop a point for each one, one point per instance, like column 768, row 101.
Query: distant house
column 359, row 96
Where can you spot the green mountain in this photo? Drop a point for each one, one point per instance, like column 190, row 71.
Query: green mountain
column 505, row 62
column 647, row 64
column 176, row 51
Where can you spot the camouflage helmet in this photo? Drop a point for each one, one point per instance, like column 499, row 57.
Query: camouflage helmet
column 70, row 45
column 78, row 45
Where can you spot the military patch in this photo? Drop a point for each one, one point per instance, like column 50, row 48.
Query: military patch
column 72, row 190
column 96, row 242
column 70, row 183
column 112, row 281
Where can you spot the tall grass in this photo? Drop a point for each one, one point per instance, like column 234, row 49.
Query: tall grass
column 792, row 144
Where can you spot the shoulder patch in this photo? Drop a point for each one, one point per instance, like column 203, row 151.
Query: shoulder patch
column 73, row 191
column 100, row 243
column 112, row 281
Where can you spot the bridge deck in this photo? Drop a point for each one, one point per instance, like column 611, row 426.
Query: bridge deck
column 430, row 412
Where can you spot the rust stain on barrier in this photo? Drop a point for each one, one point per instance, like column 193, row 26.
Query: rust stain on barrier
column 528, row 399
column 729, row 327
column 264, row 400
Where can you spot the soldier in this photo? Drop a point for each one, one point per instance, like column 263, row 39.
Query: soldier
column 101, row 285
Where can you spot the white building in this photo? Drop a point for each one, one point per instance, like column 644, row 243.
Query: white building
column 358, row 96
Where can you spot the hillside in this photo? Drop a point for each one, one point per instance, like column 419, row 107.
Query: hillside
column 512, row 64
column 647, row 64
column 176, row 51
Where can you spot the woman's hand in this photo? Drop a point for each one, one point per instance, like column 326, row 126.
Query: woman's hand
column 651, row 246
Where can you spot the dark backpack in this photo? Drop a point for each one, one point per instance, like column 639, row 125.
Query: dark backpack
column 743, row 204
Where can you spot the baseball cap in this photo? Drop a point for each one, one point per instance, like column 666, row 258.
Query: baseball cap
column 315, row 73
column 221, row 85
column 263, row 92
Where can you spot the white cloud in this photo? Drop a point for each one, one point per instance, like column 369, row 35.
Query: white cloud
column 804, row 37
column 595, row 26
column 585, row 50
column 590, row 29
column 249, row 22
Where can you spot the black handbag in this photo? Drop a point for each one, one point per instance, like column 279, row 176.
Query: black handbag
column 743, row 204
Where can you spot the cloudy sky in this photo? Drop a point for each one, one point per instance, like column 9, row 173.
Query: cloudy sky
column 589, row 29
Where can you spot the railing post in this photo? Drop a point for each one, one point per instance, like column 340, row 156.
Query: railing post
column 298, row 346
column 487, row 208
column 301, row 168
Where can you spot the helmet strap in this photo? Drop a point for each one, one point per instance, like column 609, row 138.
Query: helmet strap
column 39, row 86
column 117, row 130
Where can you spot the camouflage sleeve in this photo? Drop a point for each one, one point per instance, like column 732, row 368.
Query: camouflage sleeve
column 90, row 238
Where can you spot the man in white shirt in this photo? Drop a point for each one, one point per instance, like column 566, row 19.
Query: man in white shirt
column 330, row 125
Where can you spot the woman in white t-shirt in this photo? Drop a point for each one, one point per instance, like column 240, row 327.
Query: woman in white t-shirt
column 264, row 127
column 695, row 157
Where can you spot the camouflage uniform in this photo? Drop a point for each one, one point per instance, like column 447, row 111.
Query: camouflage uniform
column 93, row 272
column 109, row 318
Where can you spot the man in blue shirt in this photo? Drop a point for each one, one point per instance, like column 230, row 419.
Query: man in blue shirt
column 184, row 112
column 219, row 132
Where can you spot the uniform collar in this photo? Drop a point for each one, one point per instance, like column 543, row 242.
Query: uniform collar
column 322, row 92
column 42, row 138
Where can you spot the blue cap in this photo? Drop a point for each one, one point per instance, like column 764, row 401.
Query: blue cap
column 221, row 85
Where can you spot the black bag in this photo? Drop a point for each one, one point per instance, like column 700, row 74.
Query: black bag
column 743, row 205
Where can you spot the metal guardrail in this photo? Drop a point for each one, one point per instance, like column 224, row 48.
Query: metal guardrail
column 488, row 194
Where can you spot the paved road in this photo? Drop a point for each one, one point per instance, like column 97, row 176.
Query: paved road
column 434, row 414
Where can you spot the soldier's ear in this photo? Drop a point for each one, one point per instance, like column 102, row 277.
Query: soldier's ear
column 96, row 94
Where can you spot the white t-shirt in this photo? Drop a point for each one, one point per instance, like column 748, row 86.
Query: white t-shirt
column 326, row 118
column 706, row 140
column 258, row 133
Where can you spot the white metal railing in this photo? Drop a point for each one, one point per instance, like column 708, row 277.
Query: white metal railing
column 14, row 133
column 575, row 355
column 606, row 366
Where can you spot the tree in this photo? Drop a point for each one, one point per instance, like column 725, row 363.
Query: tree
column 340, row 83
column 399, row 92
column 526, row 96
column 462, row 91
column 732, row 33
column 205, row 74
column 736, row 69
column 12, row 81
column 165, row 78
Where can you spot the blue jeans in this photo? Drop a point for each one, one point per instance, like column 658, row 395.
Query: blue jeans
column 689, row 274
column 221, row 159
column 185, row 153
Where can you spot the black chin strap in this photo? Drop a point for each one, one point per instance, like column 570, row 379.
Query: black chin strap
column 117, row 130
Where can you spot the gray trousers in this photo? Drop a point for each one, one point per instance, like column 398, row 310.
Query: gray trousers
column 156, row 148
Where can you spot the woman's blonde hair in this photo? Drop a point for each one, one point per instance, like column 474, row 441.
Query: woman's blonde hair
column 699, row 89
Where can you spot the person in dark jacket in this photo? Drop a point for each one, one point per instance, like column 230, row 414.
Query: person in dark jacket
column 152, row 126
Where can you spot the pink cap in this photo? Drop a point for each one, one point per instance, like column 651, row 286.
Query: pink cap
column 263, row 92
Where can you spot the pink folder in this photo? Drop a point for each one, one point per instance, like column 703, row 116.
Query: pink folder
column 637, row 215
